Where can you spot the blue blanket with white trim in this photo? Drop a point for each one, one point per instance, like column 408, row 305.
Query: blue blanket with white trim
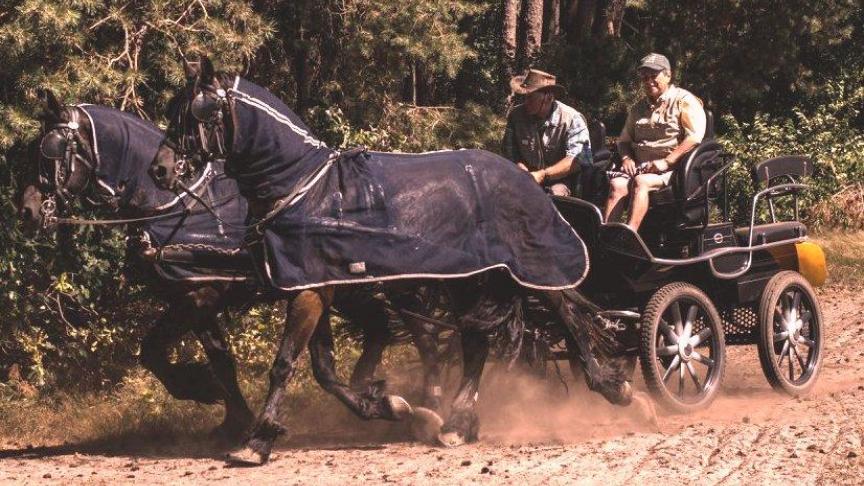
column 380, row 216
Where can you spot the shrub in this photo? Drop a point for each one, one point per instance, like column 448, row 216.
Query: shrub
column 823, row 130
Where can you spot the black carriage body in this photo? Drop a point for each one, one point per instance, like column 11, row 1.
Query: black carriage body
column 734, row 279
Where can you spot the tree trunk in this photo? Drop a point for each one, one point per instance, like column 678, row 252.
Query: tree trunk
column 533, row 30
column 615, row 17
column 300, row 72
column 553, row 20
column 511, row 20
column 598, row 25
column 581, row 15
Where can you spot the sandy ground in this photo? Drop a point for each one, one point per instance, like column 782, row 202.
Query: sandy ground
column 532, row 434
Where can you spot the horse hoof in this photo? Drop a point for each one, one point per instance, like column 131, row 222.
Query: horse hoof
column 450, row 439
column 426, row 425
column 245, row 457
column 626, row 394
column 646, row 408
column 620, row 395
column 229, row 434
column 399, row 407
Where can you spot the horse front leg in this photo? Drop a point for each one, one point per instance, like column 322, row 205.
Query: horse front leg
column 426, row 342
column 305, row 313
column 463, row 424
column 370, row 404
column 238, row 416
column 186, row 381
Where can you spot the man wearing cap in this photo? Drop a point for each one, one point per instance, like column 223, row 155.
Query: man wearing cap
column 660, row 128
column 545, row 136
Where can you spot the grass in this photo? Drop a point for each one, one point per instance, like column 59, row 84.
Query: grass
column 139, row 415
column 845, row 254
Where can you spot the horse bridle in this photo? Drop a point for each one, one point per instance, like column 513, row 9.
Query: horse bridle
column 209, row 109
column 63, row 143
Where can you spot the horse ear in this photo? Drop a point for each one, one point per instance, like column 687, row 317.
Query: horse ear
column 192, row 69
column 207, row 71
column 52, row 109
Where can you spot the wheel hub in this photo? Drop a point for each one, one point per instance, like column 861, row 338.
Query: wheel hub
column 685, row 351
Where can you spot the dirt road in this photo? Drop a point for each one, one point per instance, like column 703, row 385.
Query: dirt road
column 531, row 436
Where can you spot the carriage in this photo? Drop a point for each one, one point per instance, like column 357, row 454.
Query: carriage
column 690, row 282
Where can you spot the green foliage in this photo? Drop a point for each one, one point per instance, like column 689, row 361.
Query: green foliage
column 748, row 56
column 823, row 131
column 63, row 305
column 415, row 75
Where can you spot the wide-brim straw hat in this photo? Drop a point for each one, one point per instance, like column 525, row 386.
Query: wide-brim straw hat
column 535, row 80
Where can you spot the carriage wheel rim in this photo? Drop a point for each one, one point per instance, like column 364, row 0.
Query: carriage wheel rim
column 686, row 351
column 795, row 334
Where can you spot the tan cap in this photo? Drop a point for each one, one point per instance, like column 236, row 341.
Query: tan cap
column 655, row 62
column 535, row 80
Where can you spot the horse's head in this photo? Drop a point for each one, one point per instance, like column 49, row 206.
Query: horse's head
column 200, row 124
column 63, row 160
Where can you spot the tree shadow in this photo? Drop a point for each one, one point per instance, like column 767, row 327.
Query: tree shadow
column 204, row 446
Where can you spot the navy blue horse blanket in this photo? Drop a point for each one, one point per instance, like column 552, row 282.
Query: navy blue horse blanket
column 124, row 145
column 380, row 216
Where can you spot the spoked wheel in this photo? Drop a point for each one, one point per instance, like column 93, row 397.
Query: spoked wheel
column 790, row 342
column 682, row 351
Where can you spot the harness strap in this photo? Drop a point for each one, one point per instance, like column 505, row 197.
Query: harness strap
column 282, row 202
column 108, row 222
column 187, row 211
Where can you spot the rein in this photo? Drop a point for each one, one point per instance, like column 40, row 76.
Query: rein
column 49, row 208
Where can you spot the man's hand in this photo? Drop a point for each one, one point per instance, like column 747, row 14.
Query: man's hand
column 658, row 166
column 539, row 176
column 628, row 165
column 522, row 166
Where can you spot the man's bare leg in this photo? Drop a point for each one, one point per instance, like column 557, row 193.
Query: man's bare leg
column 618, row 189
column 645, row 183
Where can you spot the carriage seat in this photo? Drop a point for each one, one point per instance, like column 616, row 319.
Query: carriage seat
column 592, row 184
column 771, row 232
column 692, row 183
column 771, row 173
column 597, row 136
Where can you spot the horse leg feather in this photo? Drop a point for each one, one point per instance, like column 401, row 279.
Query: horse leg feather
column 463, row 424
column 371, row 404
column 604, row 378
column 426, row 342
column 373, row 319
column 238, row 416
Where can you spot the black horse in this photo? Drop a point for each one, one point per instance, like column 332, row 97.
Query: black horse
column 326, row 219
column 192, row 258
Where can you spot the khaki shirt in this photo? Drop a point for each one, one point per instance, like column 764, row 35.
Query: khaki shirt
column 654, row 128
column 542, row 143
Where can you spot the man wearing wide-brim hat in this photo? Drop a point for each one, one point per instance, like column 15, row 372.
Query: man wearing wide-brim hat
column 544, row 136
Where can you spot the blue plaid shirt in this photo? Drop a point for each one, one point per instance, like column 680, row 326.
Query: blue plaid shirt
column 541, row 144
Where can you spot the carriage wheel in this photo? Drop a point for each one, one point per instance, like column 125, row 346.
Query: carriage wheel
column 682, row 349
column 790, row 341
